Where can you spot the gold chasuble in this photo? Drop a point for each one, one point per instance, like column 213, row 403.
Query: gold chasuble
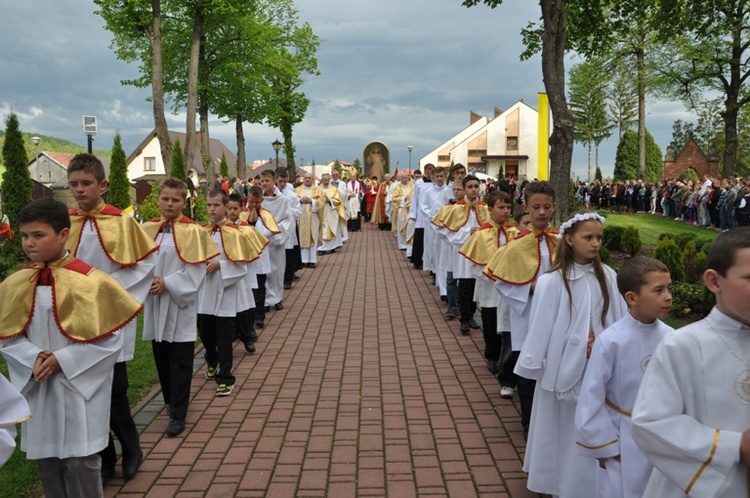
column 123, row 242
column 378, row 212
column 309, row 223
column 457, row 217
column 485, row 242
column 88, row 303
column 335, row 215
column 237, row 246
column 192, row 243
column 401, row 214
column 518, row 263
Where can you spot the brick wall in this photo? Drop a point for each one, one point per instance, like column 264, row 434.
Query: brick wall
column 691, row 157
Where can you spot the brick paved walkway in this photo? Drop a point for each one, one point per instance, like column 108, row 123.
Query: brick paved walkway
column 345, row 398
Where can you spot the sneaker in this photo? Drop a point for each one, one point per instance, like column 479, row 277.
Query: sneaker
column 224, row 390
column 249, row 346
column 506, row 392
column 451, row 313
column 211, row 371
column 473, row 324
column 176, row 427
column 465, row 328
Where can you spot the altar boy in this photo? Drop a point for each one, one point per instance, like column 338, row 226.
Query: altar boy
column 60, row 333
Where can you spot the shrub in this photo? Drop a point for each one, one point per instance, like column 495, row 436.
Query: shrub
column 119, row 185
column 702, row 244
column 631, row 240
column 612, row 237
column 682, row 239
column 149, row 209
column 200, row 210
column 604, row 254
column 691, row 298
column 665, row 235
column 669, row 253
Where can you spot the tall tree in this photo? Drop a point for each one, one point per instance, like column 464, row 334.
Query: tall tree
column 119, row 185
column 588, row 95
column 623, row 102
column 177, row 168
column 137, row 29
column 16, row 187
column 710, row 51
column 552, row 39
column 626, row 158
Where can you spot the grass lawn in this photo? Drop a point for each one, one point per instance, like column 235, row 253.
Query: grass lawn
column 18, row 478
column 650, row 226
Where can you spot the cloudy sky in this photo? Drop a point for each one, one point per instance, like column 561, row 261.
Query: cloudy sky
column 406, row 72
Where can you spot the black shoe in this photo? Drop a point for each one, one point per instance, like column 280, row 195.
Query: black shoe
column 465, row 328
column 267, row 308
column 473, row 324
column 278, row 306
column 259, row 324
column 287, row 286
column 176, row 427
column 311, row 265
column 249, row 346
column 444, row 299
column 253, row 336
column 493, row 366
column 131, row 465
column 295, row 277
column 107, row 474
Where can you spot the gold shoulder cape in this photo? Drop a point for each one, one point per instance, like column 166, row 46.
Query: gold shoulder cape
column 457, row 217
column 193, row 244
column 88, row 304
column 257, row 241
column 269, row 221
column 484, row 242
column 236, row 244
column 518, row 262
column 120, row 235
column 442, row 213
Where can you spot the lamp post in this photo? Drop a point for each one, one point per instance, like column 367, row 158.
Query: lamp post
column 35, row 141
column 276, row 147
column 410, row 148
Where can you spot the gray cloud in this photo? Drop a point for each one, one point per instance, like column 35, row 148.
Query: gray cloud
column 405, row 72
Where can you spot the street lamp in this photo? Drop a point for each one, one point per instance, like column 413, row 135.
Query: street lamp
column 276, row 147
column 410, row 148
column 35, row 141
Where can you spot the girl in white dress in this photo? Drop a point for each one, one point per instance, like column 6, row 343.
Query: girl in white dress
column 573, row 303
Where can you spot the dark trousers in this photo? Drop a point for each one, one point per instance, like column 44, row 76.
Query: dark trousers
column 417, row 248
column 216, row 334
column 466, row 304
column 291, row 266
column 71, row 477
column 451, row 285
column 244, row 324
column 525, row 387
column 260, row 298
column 174, row 364
column 493, row 341
column 508, row 359
column 120, row 420
column 525, row 391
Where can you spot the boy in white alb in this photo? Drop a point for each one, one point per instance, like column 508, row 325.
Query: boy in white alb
column 263, row 221
column 278, row 204
column 170, row 309
column 614, row 372
column 692, row 413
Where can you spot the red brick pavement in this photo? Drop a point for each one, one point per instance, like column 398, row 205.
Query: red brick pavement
column 345, row 398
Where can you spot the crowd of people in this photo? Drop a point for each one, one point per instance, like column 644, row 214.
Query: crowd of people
column 714, row 203
column 612, row 402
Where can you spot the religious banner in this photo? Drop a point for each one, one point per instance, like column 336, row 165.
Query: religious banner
column 376, row 159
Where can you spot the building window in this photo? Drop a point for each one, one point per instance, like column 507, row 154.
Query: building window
column 511, row 143
column 149, row 164
column 477, row 152
column 445, row 158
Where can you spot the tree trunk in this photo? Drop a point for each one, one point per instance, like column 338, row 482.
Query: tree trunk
column 588, row 178
column 640, row 63
column 192, row 87
column 554, row 38
column 157, row 86
column 286, row 127
column 240, row 134
column 732, row 105
column 208, row 163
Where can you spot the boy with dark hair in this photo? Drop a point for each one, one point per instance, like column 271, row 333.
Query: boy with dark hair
column 265, row 224
column 112, row 241
column 292, row 250
column 245, row 322
column 170, row 309
column 61, row 333
column 223, row 291
column 610, row 384
column 515, row 268
column 692, row 413
column 465, row 218
column 478, row 249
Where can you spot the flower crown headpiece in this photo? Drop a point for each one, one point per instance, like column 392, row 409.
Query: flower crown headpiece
column 579, row 217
